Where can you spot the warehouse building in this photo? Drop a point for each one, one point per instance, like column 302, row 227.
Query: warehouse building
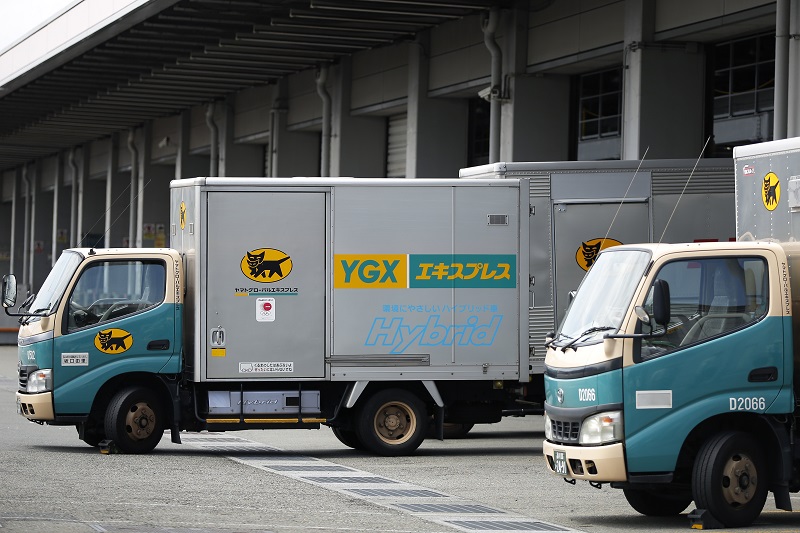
column 106, row 102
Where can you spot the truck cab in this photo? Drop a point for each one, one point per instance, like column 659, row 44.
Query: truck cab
column 671, row 378
column 101, row 337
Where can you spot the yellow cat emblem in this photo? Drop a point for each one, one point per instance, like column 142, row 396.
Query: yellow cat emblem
column 266, row 265
column 113, row 340
column 587, row 253
column 182, row 215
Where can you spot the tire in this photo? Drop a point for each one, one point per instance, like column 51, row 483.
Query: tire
column 92, row 435
column 348, row 437
column 135, row 420
column 657, row 503
column 456, row 431
column 392, row 422
column 729, row 478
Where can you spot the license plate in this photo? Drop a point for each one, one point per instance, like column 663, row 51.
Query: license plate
column 19, row 406
column 560, row 462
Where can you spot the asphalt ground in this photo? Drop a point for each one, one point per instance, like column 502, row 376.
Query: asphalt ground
column 302, row 480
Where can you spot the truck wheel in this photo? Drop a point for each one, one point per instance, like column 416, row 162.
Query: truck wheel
column 92, row 434
column 730, row 478
column 661, row 503
column 348, row 437
column 392, row 422
column 135, row 420
column 456, row 431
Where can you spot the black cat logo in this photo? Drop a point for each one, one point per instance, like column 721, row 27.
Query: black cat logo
column 588, row 251
column 266, row 265
column 771, row 191
column 113, row 341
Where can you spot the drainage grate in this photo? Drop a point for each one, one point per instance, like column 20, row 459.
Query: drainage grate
column 236, row 450
column 497, row 525
column 334, row 479
column 397, row 493
column 193, row 440
column 446, row 508
column 310, row 468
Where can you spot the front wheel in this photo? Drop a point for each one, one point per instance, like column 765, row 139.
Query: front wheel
column 657, row 503
column 135, row 420
column 392, row 422
column 729, row 478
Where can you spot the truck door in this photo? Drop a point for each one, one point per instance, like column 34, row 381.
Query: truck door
column 580, row 233
column 117, row 318
column 720, row 353
column 266, row 286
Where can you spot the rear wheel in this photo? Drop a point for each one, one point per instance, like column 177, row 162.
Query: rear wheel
column 657, row 503
column 135, row 420
column 392, row 422
column 348, row 437
column 456, row 431
column 729, row 479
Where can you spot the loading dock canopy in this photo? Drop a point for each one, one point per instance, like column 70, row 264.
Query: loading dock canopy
column 170, row 55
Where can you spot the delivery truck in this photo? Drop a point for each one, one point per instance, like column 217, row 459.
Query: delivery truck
column 674, row 374
column 386, row 309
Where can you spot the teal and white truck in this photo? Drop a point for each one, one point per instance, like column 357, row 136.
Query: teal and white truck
column 378, row 307
column 674, row 374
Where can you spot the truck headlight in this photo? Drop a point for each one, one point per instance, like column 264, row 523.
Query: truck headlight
column 601, row 428
column 548, row 427
column 40, row 381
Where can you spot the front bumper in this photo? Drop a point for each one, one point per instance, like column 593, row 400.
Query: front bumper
column 37, row 407
column 601, row 464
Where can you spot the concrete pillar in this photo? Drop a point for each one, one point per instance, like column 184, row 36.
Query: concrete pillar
column 533, row 126
column 793, row 107
column 83, row 178
column 434, row 148
column 236, row 159
column 7, row 223
column 111, row 171
column 63, row 215
column 657, row 113
column 294, row 153
column 186, row 164
column 152, row 203
column 358, row 144
column 57, row 179
column 42, row 229
column 781, row 98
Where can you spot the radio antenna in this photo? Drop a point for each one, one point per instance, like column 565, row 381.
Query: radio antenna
column 619, row 207
column 684, row 190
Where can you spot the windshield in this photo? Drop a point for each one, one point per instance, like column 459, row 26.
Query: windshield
column 56, row 283
column 603, row 297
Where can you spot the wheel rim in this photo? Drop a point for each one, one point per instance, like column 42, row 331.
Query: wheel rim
column 395, row 422
column 739, row 480
column 140, row 421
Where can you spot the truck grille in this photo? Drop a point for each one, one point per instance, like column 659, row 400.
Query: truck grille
column 24, row 372
column 565, row 431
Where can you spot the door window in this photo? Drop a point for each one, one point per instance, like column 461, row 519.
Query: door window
column 108, row 290
column 708, row 298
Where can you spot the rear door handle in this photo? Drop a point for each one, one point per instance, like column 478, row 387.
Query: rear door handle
column 161, row 344
column 761, row 375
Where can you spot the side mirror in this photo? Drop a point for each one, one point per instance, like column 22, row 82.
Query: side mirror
column 571, row 296
column 661, row 305
column 9, row 290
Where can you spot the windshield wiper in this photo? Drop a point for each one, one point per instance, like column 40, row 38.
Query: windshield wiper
column 554, row 339
column 42, row 311
column 585, row 333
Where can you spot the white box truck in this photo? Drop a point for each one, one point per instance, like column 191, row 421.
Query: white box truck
column 386, row 309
